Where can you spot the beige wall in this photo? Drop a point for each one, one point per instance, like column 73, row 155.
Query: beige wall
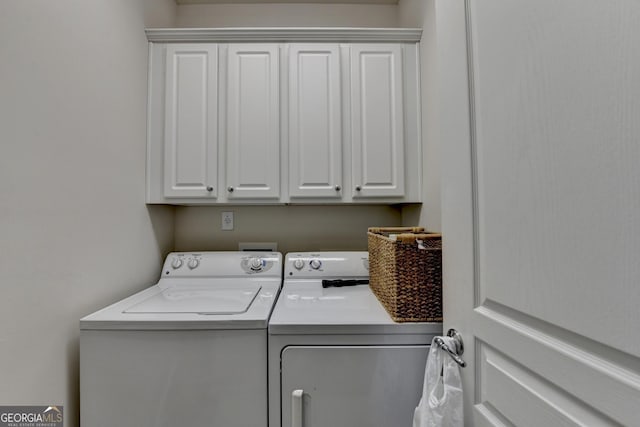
column 294, row 228
column 76, row 234
column 160, row 13
column 286, row 15
column 421, row 13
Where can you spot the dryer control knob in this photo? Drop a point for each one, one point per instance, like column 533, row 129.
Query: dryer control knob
column 298, row 263
column 315, row 264
column 255, row 264
column 176, row 263
column 193, row 263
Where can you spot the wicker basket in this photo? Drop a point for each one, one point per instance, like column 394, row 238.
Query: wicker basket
column 407, row 276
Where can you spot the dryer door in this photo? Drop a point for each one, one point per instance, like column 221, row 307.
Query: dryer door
column 352, row 386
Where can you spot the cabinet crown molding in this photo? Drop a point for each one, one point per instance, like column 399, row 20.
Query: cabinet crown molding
column 302, row 34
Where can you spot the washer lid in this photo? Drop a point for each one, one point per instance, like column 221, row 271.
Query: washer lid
column 199, row 300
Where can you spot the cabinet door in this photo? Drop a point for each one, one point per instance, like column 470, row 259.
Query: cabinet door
column 377, row 130
column 351, row 386
column 315, row 127
column 253, row 122
column 191, row 114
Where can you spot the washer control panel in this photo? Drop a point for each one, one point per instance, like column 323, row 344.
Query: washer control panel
column 326, row 264
column 179, row 260
column 256, row 264
column 221, row 264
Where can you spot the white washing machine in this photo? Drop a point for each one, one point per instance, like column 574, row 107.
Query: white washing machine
column 188, row 351
column 336, row 358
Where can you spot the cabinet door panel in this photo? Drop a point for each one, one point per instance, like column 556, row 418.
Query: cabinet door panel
column 253, row 121
column 377, row 121
column 191, row 144
column 315, row 130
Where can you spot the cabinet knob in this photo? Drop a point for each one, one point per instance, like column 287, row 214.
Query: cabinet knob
column 209, row 189
column 338, row 188
column 230, row 189
column 358, row 188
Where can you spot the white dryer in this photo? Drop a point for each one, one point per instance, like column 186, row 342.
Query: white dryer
column 189, row 351
column 336, row 358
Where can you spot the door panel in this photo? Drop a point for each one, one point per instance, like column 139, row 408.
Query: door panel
column 526, row 398
column 541, row 208
column 315, row 121
column 560, row 132
column 353, row 386
column 191, row 114
column 253, row 117
column 377, row 119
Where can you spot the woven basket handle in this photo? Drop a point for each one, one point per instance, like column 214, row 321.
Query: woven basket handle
column 407, row 238
column 396, row 229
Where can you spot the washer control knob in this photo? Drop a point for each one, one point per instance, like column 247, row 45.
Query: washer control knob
column 298, row 263
column 193, row 263
column 315, row 264
column 255, row 264
column 176, row 263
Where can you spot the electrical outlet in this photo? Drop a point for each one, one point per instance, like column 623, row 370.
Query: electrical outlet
column 227, row 221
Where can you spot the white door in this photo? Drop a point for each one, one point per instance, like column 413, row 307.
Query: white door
column 191, row 117
column 315, row 121
column 377, row 120
column 541, row 207
column 253, row 122
column 351, row 386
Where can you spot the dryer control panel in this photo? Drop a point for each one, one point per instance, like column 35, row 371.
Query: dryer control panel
column 308, row 265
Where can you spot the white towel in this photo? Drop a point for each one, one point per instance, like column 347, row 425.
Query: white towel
column 441, row 402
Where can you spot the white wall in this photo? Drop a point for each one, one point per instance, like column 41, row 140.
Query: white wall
column 286, row 15
column 76, row 234
column 295, row 228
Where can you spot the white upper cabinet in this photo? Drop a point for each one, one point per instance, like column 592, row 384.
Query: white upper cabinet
column 377, row 120
column 272, row 116
column 315, row 121
column 253, row 122
column 190, row 138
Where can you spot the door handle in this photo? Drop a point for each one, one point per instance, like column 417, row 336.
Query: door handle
column 296, row 408
column 453, row 352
